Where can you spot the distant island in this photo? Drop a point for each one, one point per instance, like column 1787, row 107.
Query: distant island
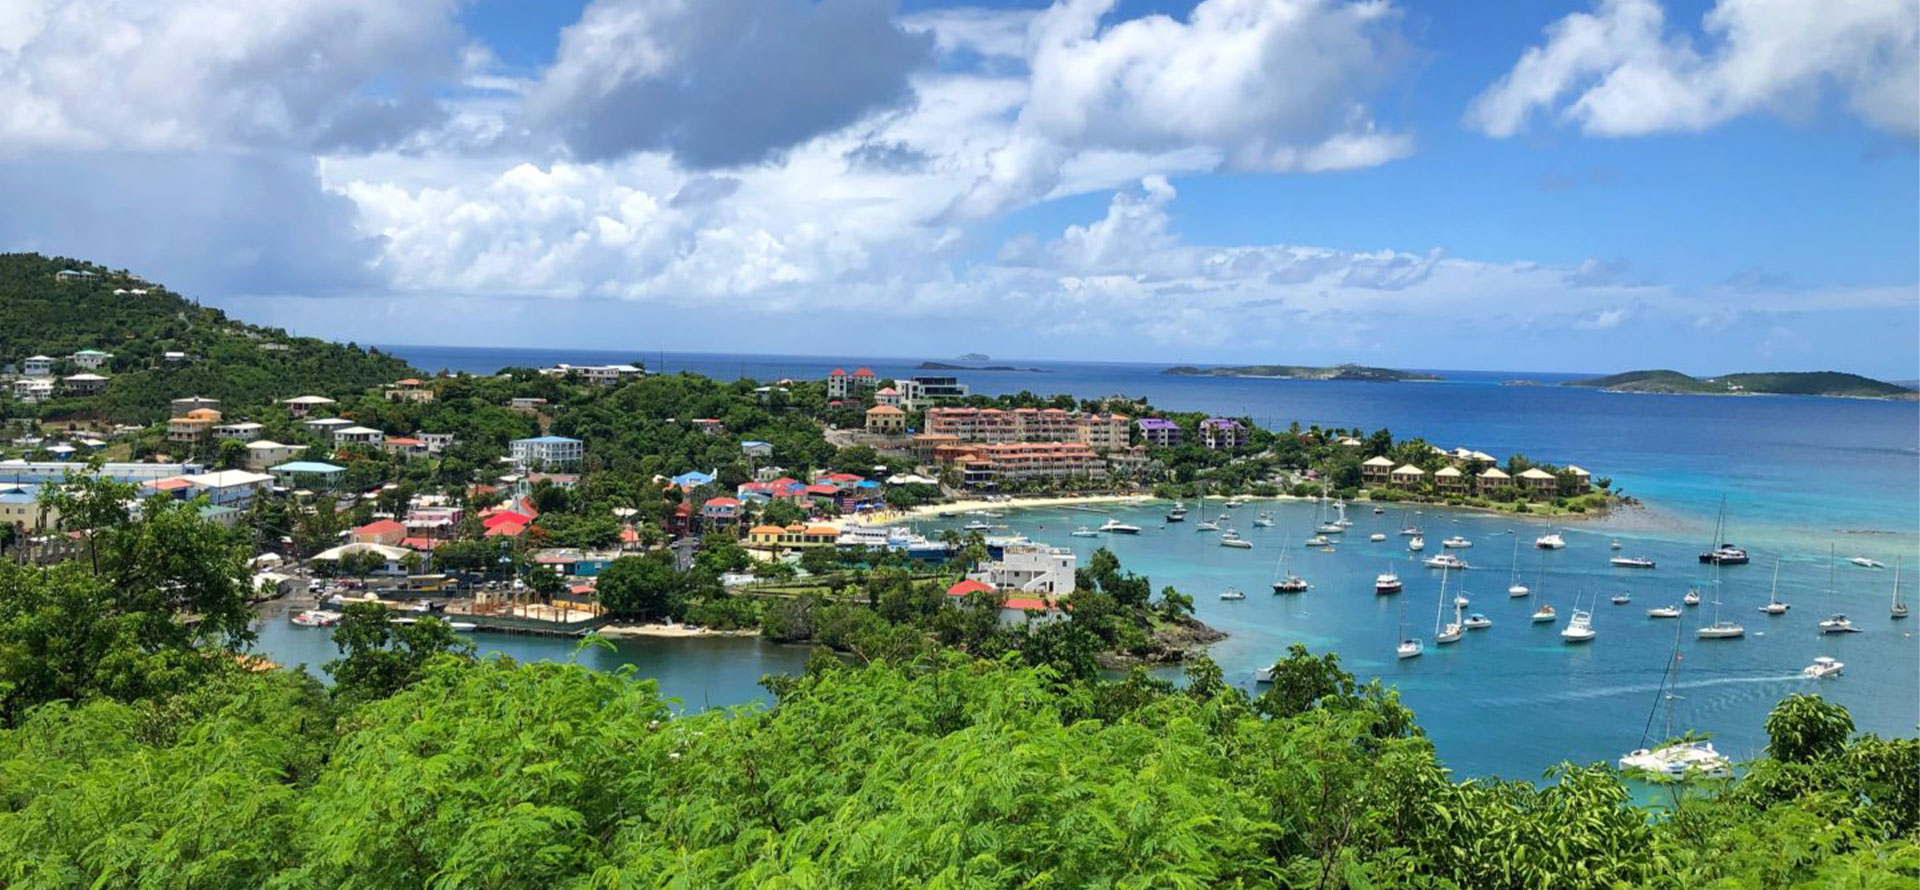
column 945, row 366
column 1305, row 372
column 1785, row 383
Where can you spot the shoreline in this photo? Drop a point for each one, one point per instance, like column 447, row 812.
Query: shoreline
column 668, row 631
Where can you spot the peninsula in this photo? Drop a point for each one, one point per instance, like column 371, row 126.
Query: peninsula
column 1304, row 372
column 1786, row 383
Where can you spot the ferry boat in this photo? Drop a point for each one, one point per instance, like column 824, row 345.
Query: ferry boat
column 1824, row 666
column 1550, row 541
column 1456, row 543
column 1232, row 594
column 1232, row 539
column 1543, row 614
column 1115, row 526
column 1445, row 561
column 315, row 618
column 1387, row 582
column 1631, row 562
column 1664, row 612
column 1579, row 628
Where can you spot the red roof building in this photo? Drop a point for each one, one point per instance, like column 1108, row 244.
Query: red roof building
column 386, row 532
column 969, row 586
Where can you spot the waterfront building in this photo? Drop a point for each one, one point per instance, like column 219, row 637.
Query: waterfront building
column 393, row 558
column 1449, row 480
column 1376, row 470
column 1491, row 480
column 1030, row 568
column 547, row 451
column 1407, row 476
column 1582, row 480
column 1222, row 434
column 1539, row 483
column 886, row 420
column 300, row 406
column 995, row 462
column 1013, row 609
column 1129, row 461
column 90, row 359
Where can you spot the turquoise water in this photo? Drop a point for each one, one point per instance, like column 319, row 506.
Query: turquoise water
column 1799, row 475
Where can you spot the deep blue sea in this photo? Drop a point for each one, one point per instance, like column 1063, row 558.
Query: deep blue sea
column 1799, row 475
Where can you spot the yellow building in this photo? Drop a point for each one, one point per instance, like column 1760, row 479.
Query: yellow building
column 886, row 420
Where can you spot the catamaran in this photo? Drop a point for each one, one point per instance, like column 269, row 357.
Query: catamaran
column 1285, row 581
column 1774, row 606
column 1721, row 553
column 1681, row 760
column 1550, row 541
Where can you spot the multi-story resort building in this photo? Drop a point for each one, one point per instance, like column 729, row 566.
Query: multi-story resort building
column 841, row 385
column 1160, row 432
column 996, row 462
column 547, row 451
column 1222, row 433
column 605, row 375
column 919, row 392
column 1101, row 432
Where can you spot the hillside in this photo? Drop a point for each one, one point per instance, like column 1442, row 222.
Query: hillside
column 1796, row 383
column 242, row 365
column 1304, row 372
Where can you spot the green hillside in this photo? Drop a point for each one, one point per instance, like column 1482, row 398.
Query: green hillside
column 242, row 365
column 1795, row 383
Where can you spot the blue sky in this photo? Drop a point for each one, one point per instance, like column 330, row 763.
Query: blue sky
column 1628, row 183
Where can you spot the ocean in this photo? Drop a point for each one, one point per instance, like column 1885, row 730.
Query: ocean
column 1798, row 475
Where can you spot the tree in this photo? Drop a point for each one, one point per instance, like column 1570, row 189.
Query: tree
column 380, row 657
column 1804, row 728
column 645, row 587
column 545, row 582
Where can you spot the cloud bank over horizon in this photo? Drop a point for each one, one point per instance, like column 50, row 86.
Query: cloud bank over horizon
column 1047, row 180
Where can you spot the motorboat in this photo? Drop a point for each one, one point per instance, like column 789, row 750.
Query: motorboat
column 1613, row 545
column 1387, row 582
column 1445, row 561
column 1178, row 513
column 1692, row 598
column 1837, row 624
column 1664, row 612
column 1866, row 563
column 1235, row 503
column 315, row 618
column 1085, row 532
column 1116, row 527
column 1824, row 666
column 463, row 627
column 1543, row 614
column 1631, row 562
column 1409, row 649
column 1232, row 594
column 1417, row 544
column 1579, row 628
column 1291, row 584
column 1263, row 675
column 1680, row 761
column 1232, row 539
column 1621, row 599
column 1550, row 541
column 1456, row 543
column 1379, row 510
column 1377, row 537
column 1478, row 621
column 1319, row 541
column 1264, row 520
column 977, row 526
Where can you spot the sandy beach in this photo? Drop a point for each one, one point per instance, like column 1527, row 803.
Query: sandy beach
column 668, row 630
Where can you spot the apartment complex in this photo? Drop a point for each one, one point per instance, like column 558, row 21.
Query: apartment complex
column 995, row 462
column 1100, row 432
column 547, row 451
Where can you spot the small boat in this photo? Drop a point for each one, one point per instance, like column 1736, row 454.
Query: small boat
column 1085, row 532
column 1613, row 545
column 1692, row 598
column 1824, row 666
column 1456, row 543
column 1579, row 628
column 977, row 526
column 1115, row 526
column 1621, row 599
column 1319, row 541
column 1263, row 675
column 1232, row 594
column 1516, row 589
column 1722, row 553
column 1478, row 621
column 1178, row 513
column 1233, row 539
column 1543, row 614
column 1330, row 528
column 1452, row 631
column 1417, row 544
column 1379, row 510
column 1387, row 582
column 1445, row 561
column 1837, row 624
column 1285, row 581
column 1866, row 563
column 1264, row 520
column 1899, row 608
column 1207, row 525
column 315, row 618
column 1774, row 606
column 1291, row 584
column 1721, row 630
column 1680, row 761
column 1550, row 541
column 1631, row 562
column 1409, row 649
column 1664, row 612
column 463, row 627
column 1377, row 537
column 1235, row 503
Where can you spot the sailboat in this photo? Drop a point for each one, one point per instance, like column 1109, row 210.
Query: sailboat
column 1721, row 553
column 1411, row 529
column 1514, row 587
column 1899, row 608
column 1285, row 581
column 1720, row 629
column 1680, row 761
column 1409, row 647
column 1693, row 596
column 1774, row 606
column 1327, row 527
column 1206, row 525
column 1452, row 632
column 1835, row 623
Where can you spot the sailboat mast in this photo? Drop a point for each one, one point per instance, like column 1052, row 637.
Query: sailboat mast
column 1440, row 605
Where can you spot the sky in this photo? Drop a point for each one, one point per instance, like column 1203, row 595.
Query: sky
column 1554, row 186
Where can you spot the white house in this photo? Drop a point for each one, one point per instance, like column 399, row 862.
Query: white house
column 90, row 359
column 264, row 453
column 229, row 488
column 83, row 384
column 298, row 406
column 358, row 435
column 435, row 442
column 324, row 426
column 33, row 389
column 37, row 366
column 1031, row 569
column 547, row 451
column 246, row 431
